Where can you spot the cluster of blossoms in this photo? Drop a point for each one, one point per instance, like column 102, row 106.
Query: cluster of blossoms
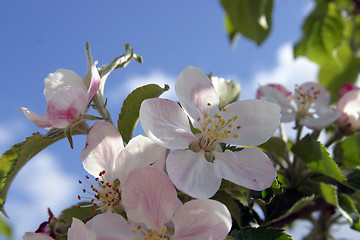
column 187, row 149
column 135, row 194
column 311, row 108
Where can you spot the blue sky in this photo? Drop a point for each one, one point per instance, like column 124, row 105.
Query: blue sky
column 38, row 37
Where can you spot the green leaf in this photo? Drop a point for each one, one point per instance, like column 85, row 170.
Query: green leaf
column 347, row 152
column 333, row 79
column 286, row 204
column 227, row 90
column 329, row 193
column 14, row 159
column 323, row 33
column 317, row 158
column 5, row 229
column 343, row 202
column 129, row 115
column 275, row 145
column 249, row 18
column 260, row 233
column 353, row 179
column 119, row 62
column 265, row 196
column 349, row 211
column 355, row 38
column 63, row 222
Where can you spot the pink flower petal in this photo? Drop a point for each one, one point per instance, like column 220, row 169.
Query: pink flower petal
column 39, row 121
column 141, row 151
column 149, row 197
column 255, row 123
column 95, row 82
column 66, row 105
column 110, row 226
column 250, row 168
column 61, row 78
column 192, row 174
column 78, row 231
column 103, row 144
column 202, row 219
column 195, row 92
column 166, row 123
column 36, row 236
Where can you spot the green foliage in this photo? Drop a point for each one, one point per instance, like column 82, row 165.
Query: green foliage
column 265, row 196
column 317, row 158
column 275, row 145
column 286, row 204
column 343, row 202
column 347, row 152
column 119, row 62
column 5, row 229
column 15, row 158
column 353, row 179
column 249, row 18
column 323, row 33
column 349, row 211
column 129, row 115
column 260, row 233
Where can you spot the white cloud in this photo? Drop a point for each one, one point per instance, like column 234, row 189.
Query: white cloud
column 42, row 183
column 9, row 132
column 289, row 71
column 118, row 93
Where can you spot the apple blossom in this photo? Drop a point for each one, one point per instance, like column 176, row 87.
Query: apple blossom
column 346, row 87
column 199, row 166
column 106, row 158
column 67, row 99
column 348, row 107
column 153, row 212
column 311, row 104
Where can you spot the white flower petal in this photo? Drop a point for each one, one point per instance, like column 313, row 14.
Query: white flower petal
column 78, row 230
column 166, row 123
column 66, row 105
column 110, row 226
column 272, row 94
column 40, row 121
column 149, row 197
column 202, row 219
column 195, row 92
column 250, row 168
column 192, row 174
column 61, row 78
column 103, row 144
column 256, row 121
column 324, row 117
column 141, row 151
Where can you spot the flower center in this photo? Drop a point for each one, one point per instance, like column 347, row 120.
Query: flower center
column 104, row 195
column 151, row 234
column 215, row 128
column 305, row 100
